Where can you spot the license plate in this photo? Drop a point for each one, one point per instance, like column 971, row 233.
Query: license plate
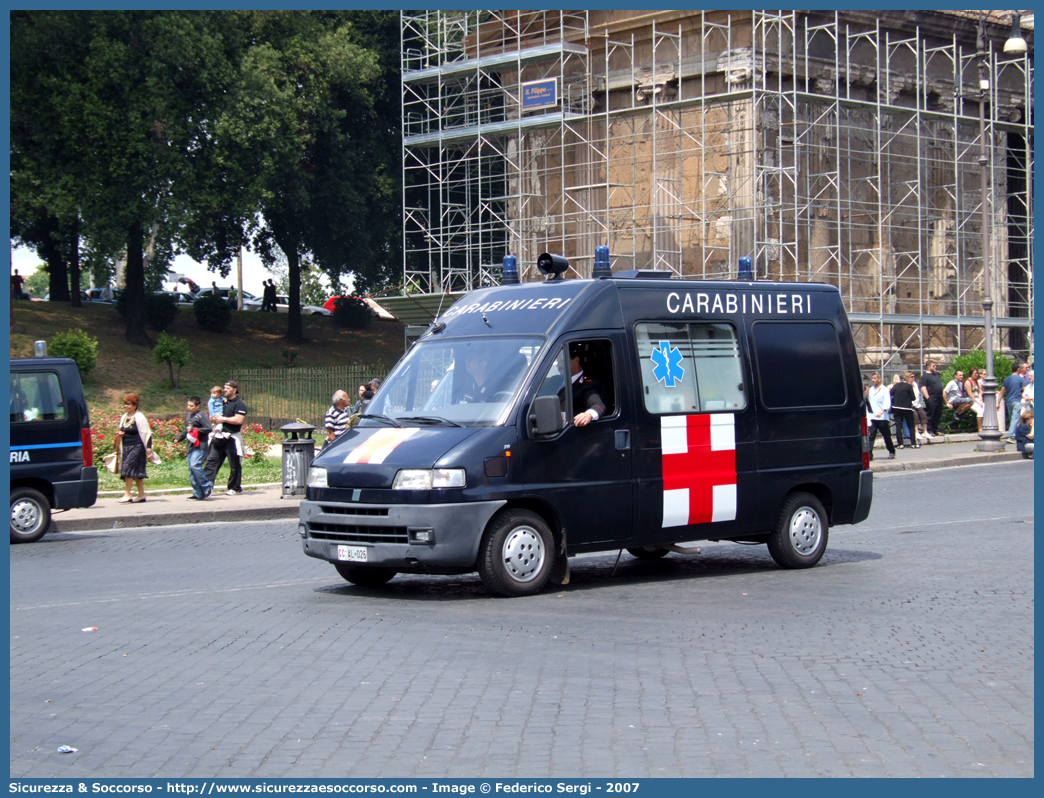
column 352, row 553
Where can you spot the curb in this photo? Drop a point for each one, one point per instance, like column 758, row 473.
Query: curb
column 103, row 523
column 926, row 465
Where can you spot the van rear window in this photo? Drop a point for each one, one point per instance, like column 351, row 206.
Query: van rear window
column 36, row 396
column 799, row 364
column 690, row 368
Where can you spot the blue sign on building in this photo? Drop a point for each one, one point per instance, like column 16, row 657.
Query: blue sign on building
column 540, row 94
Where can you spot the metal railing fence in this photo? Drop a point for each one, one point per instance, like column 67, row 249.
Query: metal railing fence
column 278, row 396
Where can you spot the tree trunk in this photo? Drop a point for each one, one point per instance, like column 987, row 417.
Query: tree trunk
column 51, row 251
column 74, row 264
column 134, row 292
column 294, row 328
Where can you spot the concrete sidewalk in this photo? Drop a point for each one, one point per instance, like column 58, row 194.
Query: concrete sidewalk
column 264, row 502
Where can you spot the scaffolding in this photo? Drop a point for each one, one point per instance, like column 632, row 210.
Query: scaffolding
column 838, row 147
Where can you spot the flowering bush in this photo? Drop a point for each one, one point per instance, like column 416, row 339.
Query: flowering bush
column 257, row 440
column 105, row 424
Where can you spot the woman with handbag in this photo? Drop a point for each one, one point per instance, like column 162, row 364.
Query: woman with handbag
column 134, row 442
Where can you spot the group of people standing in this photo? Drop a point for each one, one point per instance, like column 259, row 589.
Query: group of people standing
column 212, row 435
column 339, row 415
column 916, row 406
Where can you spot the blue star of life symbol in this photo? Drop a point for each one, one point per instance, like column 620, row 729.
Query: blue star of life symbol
column 668, row 368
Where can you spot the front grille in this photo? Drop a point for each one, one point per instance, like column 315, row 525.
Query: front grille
column 347, row 509
column 351, row 533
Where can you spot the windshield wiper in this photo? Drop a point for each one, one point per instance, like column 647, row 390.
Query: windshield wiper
column 379, row 417
column 432, row 420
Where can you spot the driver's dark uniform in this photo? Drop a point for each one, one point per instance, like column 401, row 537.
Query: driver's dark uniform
column 476, row 393
column 587, row 395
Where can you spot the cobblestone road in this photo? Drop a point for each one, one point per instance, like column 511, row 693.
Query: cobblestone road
column 221, row 650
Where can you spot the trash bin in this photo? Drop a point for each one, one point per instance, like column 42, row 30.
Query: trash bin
column 298, row 451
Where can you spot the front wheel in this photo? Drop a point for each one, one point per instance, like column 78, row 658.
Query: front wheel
column 801, row 535
column 30, row 515
column 364, row 577
column 517, row 553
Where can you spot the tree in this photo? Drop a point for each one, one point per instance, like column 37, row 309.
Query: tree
column 113, row 106
column 174, row 352
column 298, row 135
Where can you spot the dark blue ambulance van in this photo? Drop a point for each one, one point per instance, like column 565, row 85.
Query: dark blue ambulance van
column 533, row 422
column 52, row 454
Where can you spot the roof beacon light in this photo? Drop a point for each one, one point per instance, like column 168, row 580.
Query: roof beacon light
column 552, row 265
column 601, row 263
column 746, row 272
column 509, row 276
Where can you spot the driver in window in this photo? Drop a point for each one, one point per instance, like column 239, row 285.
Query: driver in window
column 478, row 389
column 587, row 393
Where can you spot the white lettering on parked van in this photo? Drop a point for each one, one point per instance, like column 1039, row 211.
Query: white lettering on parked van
column 540, row 303
column 777, row 304
column 20, row 457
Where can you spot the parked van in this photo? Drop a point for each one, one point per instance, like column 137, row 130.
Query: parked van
column 52, row 455
column 711, row 410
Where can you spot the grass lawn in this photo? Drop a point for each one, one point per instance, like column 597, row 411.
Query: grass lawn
column 174, row 474
column 255, row 340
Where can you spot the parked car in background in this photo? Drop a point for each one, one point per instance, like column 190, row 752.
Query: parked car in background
column 283, row 306
column 103, row 294
column 83, row 297
column 250, row 302
column 184, row 299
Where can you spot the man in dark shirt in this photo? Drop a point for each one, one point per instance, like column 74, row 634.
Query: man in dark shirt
column 17, row 281
column 587, row 393
column 229, row 441
column 932, row 390
column 1012, row 395
column 902, row 410
column 478, row 388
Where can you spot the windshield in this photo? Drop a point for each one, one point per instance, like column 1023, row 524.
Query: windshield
column 470, row 382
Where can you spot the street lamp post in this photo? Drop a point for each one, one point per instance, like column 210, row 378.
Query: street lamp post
column 1016, row 45
column 990, row 434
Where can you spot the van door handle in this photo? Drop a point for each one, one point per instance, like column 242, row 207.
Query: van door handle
column 623, row 439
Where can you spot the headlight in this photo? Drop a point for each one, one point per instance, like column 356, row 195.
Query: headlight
column 425, row 478
column 447, row 478
column 317, row 477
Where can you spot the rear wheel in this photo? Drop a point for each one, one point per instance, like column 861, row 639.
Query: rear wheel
column 517, row 553
column 801, row 535
column 30, row 515
column 364, row 577
column 648, row 553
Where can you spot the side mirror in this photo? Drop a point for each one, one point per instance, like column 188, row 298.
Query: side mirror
column 545, row 415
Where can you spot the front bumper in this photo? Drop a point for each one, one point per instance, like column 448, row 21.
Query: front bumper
column 385, row 531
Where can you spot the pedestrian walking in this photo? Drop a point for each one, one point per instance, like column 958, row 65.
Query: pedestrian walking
column 134, row 439
column 879, row 403
column 227, row 443
column 197, row 434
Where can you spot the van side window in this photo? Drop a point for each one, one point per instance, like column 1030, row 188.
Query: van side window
column 799, row 364
column 596, row 361
column 690, row 367
column 36, row 396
